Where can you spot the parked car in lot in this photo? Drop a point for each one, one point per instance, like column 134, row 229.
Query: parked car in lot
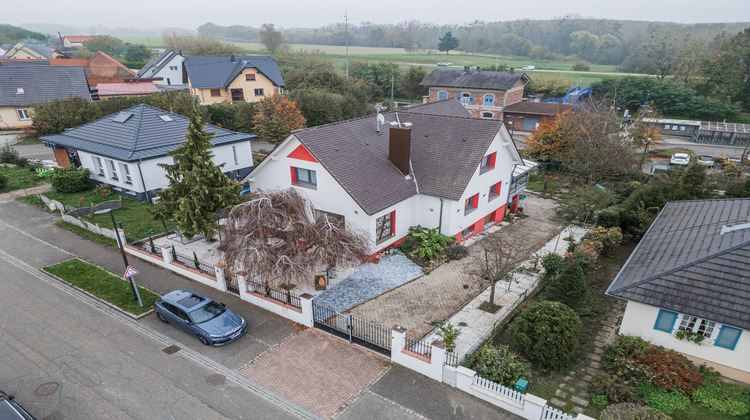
column 679, row 159
column 211, row 322
column 705, row 160
column 444, row 64
column 10, row 410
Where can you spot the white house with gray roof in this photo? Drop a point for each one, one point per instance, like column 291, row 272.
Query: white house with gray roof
column 125, row 149
column 432, row 165
column 690, row 273
column 167, row 67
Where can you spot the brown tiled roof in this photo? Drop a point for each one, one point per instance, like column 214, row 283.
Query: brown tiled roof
column 689, row 263
column 445, row 152
column 539, row 108
column 79, row 38
column 104, row 69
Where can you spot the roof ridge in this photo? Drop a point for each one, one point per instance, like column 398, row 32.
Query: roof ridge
column 682, row 267
column 136, row 132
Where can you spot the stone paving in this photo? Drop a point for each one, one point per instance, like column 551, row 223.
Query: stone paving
column 12, row 195
column 369, row 281
column 448, row 288
column 572, row 393
column 317, row 371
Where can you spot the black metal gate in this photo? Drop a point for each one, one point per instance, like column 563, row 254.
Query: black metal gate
column 233, row 284
column 352, row 328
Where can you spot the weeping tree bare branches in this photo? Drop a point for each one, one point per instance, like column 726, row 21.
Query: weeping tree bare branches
column 497, row 257
column 277, row 237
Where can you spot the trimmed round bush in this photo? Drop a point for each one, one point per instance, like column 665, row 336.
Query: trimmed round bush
column 70, row 179
column 553, row 264
column 498, row 364
column 547, row 333
column 630, row 411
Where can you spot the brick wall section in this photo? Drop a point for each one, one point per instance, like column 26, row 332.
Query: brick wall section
column 61, row 155
column 502, row 98
column 518, row 119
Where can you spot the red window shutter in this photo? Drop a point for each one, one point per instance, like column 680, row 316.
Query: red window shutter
column 294, row 174
column 475, row 200
column 492, row 159
column 393, row 222
column 497, row 188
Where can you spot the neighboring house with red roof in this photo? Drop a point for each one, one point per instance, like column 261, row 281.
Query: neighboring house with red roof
column 102, row 68
column 74, row 41
column 431, row 165
column 134, row 87
column 527, row 116
column 484, row 93
column 689, row 276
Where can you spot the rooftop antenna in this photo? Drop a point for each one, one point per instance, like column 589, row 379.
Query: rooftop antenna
column 380, row 119
column 346, row 25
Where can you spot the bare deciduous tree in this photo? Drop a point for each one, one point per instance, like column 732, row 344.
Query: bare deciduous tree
column 278, row 238
column 496, row 259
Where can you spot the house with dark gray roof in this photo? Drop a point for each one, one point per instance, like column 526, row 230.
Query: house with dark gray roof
column 23, row 85
column 166, row 69
column 484, row 93
column 125, row 149
column 431, row 165
column 233, row 79
column 689, row 277
column 25, row 51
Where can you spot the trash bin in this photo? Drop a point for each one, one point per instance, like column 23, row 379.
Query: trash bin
column 521, row 385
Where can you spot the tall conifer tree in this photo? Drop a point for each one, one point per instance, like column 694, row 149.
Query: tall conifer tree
column 197, row 187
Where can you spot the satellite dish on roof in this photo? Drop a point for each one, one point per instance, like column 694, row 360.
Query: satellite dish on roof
column 379, row 119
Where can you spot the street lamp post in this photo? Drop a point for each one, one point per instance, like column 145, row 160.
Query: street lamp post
column 124, row 256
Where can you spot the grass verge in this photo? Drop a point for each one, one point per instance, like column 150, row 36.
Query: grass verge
column 19, row 178
column 89, row 235
column 103, row 285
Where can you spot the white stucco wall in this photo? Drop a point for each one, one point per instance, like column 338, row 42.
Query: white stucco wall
column 457, row 219
column 639, row 320
column 153, row 175
column 174, row 76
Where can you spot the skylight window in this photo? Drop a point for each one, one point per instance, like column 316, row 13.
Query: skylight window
column 122, row 117
column 19, row 91
column 166, row 118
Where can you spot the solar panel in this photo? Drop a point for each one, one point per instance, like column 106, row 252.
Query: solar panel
column 122, row 117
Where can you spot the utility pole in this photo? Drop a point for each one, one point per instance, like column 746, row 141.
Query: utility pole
column 392, row 108
column 346, row 25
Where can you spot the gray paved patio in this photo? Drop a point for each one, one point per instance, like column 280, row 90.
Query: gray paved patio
column 369, row 281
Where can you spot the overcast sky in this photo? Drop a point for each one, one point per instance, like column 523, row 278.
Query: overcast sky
column 190, row 14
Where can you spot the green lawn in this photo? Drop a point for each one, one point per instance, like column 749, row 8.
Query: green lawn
column 103, row 285
column 89, row 235
column 134, row 215
column 19, row 178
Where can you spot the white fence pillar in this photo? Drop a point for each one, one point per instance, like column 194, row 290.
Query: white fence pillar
column 581, row 416
column 166, row 253
column 464, row 378
column 398, row 333
column 437, row 358
column 533, row 406
column 241, row 282
column 221, row 281
column 121, row 233
column 306, row 302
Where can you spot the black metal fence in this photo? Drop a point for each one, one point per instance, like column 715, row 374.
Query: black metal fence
column 451, row 359
column 352, row 328
column 193, row 263
column 147, row 246
column 419, row 347
column 283, row 296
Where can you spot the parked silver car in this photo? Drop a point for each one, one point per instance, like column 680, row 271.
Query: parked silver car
column 10, row 410
column 705, row 160
column 211, row 322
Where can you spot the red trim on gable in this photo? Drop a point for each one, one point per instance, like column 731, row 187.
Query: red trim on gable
column 294, row 174
column 301, row 153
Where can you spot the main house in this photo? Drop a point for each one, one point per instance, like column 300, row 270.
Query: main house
column 484, row 93
column 431, row 165
column 217, row 80
column 24, row 84
column 124, row 149
column 689, row 273
column 166, row 68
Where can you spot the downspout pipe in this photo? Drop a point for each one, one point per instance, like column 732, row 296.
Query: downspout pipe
column 440, row 221
column 140, row 173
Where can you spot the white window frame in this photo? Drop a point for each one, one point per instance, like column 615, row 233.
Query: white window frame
column 689, row 321
column 113, row 170
column 466, row 98
column 126, row 172
column 98, row 164
column 311, row 179
column 234, row 153
column 23, row 114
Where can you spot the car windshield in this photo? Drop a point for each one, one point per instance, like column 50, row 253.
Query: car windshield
column 207, row 312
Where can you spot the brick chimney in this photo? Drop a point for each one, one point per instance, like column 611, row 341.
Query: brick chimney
column 399, row 148
column 512, row 70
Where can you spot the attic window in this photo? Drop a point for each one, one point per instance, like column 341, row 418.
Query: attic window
column 166, row 118
column 122, row 117
column 19, row 91
column 250, row 76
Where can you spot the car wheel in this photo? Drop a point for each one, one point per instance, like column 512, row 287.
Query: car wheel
column 203, row 340
column 161, row 318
